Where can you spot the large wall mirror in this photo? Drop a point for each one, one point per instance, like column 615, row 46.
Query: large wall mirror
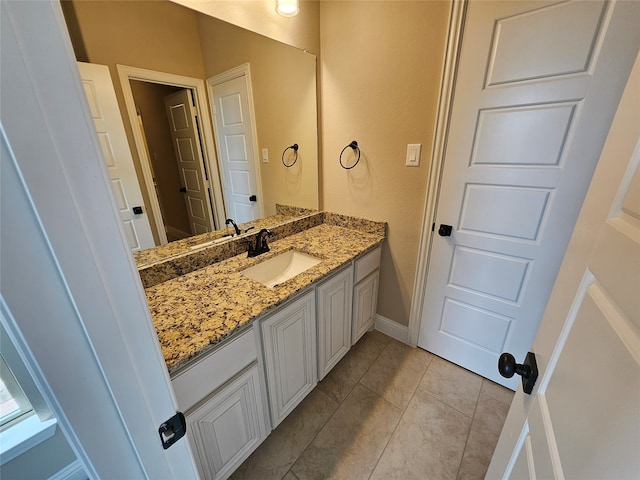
column 141, row 43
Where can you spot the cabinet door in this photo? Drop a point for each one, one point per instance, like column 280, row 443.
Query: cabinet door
column 224, row 430
column 334, row 320
column 289, row 337
column 365, row 300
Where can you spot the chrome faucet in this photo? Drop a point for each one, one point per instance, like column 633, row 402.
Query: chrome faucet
column 261, row 245
column 235, row 227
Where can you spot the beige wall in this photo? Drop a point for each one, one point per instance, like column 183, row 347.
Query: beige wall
column 380, row 71
column 284, row 92
column 259, row 16
column 155, row 35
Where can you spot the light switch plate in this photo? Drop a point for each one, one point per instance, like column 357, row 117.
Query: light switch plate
column 265, row 155
column 413, row 154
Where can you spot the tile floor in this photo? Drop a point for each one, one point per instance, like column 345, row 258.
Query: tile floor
column 386, row 411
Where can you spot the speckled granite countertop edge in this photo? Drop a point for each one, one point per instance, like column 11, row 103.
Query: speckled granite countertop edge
column 194, row 313
column 186, row 261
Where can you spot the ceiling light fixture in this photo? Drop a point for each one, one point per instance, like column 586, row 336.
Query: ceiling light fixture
column 287, row 8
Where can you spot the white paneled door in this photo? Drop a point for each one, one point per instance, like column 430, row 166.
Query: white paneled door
column 103, row 105
column 583, row 418
column 537, row 86
column 232, row 111
column 183, row 124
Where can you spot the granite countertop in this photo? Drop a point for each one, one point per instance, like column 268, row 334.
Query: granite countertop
column 194, row 312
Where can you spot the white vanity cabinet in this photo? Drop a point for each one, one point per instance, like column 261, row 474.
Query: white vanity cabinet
column 233, row 396
column 289, row 341
column 224, row 402
column 333, row 297
column 365, row 293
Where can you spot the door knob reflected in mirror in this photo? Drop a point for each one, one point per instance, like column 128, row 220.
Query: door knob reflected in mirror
column 528, row 370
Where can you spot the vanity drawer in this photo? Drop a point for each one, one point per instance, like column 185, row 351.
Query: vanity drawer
column 367, row 264
column 206, row 375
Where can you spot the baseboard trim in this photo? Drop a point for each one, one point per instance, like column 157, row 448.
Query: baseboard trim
column 73, row 471
column 176, row 232
column 391, row 328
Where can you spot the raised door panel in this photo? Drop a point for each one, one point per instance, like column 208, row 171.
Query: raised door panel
column 334, row 320
column 224, row 430
column 289, row 337
column 525, row 46
column 365, row 300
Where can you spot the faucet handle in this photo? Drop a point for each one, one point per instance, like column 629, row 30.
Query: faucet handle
column 260, row 245
column 252, row 250
column 264, row 232
column 261, row 242
column 235, row 226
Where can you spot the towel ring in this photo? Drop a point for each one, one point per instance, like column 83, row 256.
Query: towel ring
column 354, row 146
column 295, row 149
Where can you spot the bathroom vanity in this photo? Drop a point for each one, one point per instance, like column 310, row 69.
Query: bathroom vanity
column 242, row 355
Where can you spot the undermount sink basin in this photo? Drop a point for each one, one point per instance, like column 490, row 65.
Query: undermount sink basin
column 280, row 268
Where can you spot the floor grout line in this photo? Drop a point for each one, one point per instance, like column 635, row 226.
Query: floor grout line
column 397, row 424
column 339, row 404
column 466, row 442
column 314, row 437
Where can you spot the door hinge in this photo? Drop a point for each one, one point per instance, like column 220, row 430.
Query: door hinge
column 172, row 430
column 433, row 227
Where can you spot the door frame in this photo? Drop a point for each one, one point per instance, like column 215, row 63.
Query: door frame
column 457, row 14
column 90, row 293
column 243, row 70
column 127, row 73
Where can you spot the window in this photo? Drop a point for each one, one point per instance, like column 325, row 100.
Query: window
column 25, row 418
column 14, row 404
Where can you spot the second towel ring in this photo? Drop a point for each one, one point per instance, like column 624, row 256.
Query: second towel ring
column 295, row 149
column 354, row 146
